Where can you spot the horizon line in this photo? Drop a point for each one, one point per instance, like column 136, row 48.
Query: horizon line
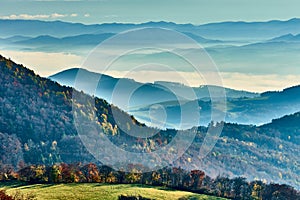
column 153, row 21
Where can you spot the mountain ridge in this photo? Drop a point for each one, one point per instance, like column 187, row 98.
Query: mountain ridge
column 203, row 30
column 84, row 39
column 74, row 71
column 271, row 103
column 287, row 38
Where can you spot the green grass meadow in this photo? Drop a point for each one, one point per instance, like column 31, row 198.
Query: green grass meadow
column 90, row 191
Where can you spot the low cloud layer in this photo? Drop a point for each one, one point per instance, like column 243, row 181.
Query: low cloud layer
column 46, row 64
column 39, row 16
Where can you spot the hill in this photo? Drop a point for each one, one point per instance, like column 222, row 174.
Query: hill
column 144, row 95
column 36, row 126
column 287, row 128
column 168, row 94
column 256, row 110
column 67, row 78
column 36, row 113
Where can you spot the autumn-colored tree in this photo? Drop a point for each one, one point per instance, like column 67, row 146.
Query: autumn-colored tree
column 69, row 173
column 133, row 177
column 105, row 171
column 156, row 178
column 257, row 188
column 177, row 177
column 111, row 177
column 34, row 174
column 197, row 177
column 91, row 173
column 55, row 174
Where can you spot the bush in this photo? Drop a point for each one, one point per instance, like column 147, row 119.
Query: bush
column 4, row 196
column 125, row 197
column 16, row 196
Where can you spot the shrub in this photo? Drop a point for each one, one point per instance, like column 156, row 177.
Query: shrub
column 4, row 196
column 16, row 196
column 125, row 197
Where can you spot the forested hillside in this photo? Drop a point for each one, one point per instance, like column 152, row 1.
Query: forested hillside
column 36, row 121
column 36, row 127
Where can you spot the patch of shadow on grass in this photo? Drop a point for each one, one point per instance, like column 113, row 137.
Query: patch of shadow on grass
column 144, row 186
column 190, row 197
column 12, row 184
column 26, row 186
column 167, row 189
column 47, row 185
column 99, row 184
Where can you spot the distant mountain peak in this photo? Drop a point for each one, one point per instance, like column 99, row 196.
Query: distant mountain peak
column 294, row 20
column 287, row 38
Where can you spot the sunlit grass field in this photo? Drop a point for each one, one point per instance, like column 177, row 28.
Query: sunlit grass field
column 92, row 191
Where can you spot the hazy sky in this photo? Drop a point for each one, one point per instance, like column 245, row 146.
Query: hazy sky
column 136, row 11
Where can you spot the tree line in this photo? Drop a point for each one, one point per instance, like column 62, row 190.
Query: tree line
column 177, row 178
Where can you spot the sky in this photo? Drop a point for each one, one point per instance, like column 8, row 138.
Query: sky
column 137, row 11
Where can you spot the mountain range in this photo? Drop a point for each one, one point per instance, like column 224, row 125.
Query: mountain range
column 86, row 39
column 239, row 47
column 242, row 106
column 36, row 126
column 220, row 31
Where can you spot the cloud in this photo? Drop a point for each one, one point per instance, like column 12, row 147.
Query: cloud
column 87, row 15
column 44, row 64
column 240, row 81
column 259, row 83
column 57, row 15
column 40, row 63
column 39, row 16
column 25, row 16
column 74, row 15
column 111, row 16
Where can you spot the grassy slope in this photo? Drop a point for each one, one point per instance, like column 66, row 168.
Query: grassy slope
column 100, row 191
